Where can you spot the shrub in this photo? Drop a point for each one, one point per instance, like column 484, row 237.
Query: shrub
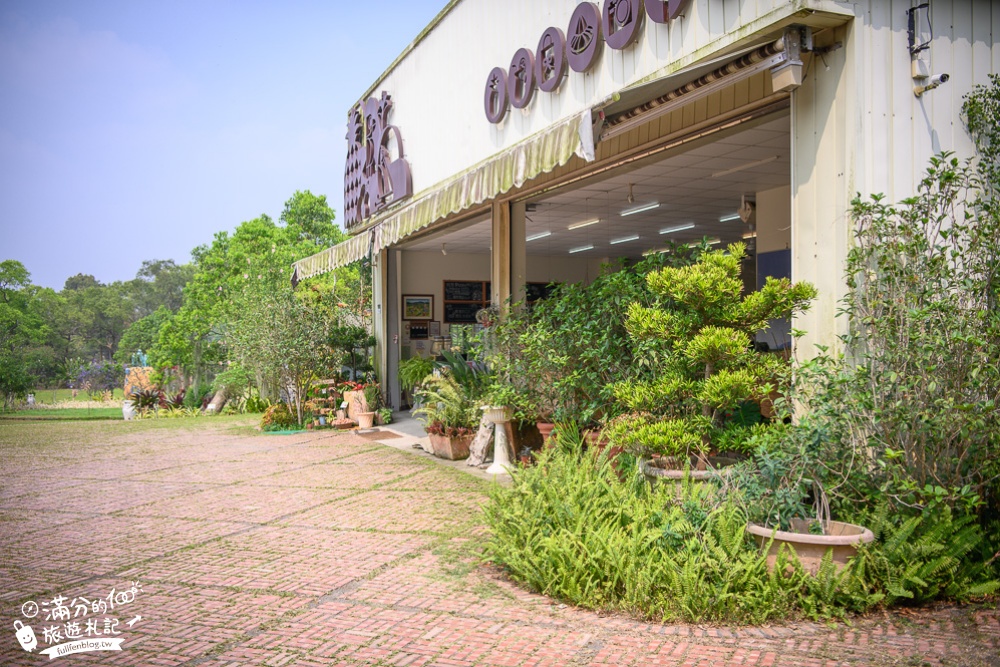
column 278, row 417
column 575, row 528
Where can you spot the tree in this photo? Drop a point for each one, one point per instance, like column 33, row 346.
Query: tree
column 276, row 335
column 158, row 283
column 20, row 329
column 81, row 281
column 143, row 334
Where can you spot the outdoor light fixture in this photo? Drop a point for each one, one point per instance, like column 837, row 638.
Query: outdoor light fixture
column 443, row 250
column 539, row 235
column 585, row 223
column 714, row 241
column 749, row 165
column 678, row 228
column 625, row 239
column 655, row 251
column 582, row 248
column 730, row 217
column 750, row 235
column 640, row 209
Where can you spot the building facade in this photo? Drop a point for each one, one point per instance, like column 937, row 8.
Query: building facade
column 517, row 144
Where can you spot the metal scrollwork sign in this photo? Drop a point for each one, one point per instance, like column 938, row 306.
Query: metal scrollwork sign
column 618, row 25
column 376, row 173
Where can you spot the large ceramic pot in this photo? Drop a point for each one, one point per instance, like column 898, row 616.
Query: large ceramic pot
column 366, row 419
column 356, row 403
column 451, row 448
column 841, row 538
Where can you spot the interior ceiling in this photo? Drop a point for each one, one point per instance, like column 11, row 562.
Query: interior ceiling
column 697, row 187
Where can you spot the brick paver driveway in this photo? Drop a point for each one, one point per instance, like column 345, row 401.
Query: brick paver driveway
column 323, row 549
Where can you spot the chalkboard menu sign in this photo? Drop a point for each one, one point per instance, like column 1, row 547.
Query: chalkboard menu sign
column 463, row 299
column 464, row 290
column 461, row 313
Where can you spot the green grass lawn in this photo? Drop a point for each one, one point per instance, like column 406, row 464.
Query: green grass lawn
column 50, row 396
column 63, row 414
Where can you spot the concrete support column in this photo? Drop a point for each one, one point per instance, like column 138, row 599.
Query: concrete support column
column 500, row 268
column 380, row 312
column 518, row 252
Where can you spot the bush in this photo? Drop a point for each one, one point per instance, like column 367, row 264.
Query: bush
column 278, row 417
column 575, row 528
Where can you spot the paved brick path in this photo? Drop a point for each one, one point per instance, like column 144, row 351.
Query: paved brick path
column 325, row 549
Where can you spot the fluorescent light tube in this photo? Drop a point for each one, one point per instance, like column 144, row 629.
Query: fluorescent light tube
column 714, row 241
column 625, row 239
column 539, row 235
column 655, row 251
column 678, row 228
column 582, row 248
column 585, row 223
column 749, row 165
column 750, row 235
column 640, row 209
column 730, row 218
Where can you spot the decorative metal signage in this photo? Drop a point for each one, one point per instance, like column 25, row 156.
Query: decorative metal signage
column 373, row 179
column 579, row 47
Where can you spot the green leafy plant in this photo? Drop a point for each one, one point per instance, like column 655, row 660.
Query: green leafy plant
column 445, row 403
column 413, row 371
column 703, row 326
column 373, row 397
column 145, row 400
column 277, row 417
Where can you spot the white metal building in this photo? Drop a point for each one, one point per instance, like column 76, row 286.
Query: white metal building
column 489, row 170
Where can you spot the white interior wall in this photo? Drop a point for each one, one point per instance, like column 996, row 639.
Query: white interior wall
column 425, row 272
column 774, row 219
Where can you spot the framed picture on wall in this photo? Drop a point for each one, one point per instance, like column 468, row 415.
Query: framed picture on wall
column 418, row 307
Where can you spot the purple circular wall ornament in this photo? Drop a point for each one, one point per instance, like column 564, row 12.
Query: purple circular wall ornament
column 583, row 38
column 662, row 11
column 495, row 98
column 521, row 78
column 621, row 22
column 550, row 59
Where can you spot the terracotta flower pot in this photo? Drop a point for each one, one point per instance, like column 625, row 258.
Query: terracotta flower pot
column 841, row 538
column 545, row 428
column 451, row 448
column 717, row 466
column 366, row 419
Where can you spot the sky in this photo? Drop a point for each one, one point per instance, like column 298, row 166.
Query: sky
column 139, row 129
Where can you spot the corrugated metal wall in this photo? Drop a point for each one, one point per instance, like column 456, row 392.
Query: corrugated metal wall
column 857, row 127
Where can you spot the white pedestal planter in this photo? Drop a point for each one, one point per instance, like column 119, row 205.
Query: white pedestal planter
column 501, row 458
column 128, row 410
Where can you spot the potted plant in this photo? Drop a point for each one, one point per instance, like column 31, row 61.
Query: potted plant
column 449, row 414
column 700, row 330
column 372, row 395
column 786, row 503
